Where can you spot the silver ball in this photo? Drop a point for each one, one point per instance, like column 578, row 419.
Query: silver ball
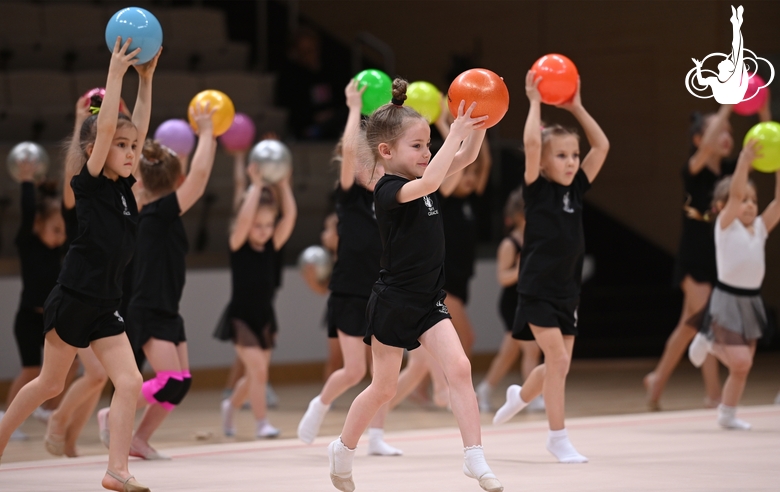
column 30, row 152
column 274, row 159
column 319, row 258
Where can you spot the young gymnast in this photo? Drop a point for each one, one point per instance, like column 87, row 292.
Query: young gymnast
column 39, row 241
column 553, row 252
column 735, row 317
column 159, row 279
column 255, row 241
column 80, row 399
column 81, row 309
column 406, row 307
column 507, row 271
column 355, row 271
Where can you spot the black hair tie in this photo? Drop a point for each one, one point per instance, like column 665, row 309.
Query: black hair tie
column 397, row 102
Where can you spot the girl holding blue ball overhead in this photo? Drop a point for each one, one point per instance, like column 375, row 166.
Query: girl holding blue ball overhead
column 81, row 310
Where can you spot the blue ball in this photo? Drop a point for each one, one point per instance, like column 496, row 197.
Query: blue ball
column 139, row 24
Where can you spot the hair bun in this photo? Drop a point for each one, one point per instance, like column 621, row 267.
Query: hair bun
column 399, row 89
column 153, row 151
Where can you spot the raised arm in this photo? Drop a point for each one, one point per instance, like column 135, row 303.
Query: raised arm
column 350, row 139
column 738, row 187
column 765, row 112
column 246, row 214
column 707, row 148
column 437, row 170
column 142, row 111
column 289, row 210
column 109, row 110
column 239, row 178
column 202, row 161
column 468, row 152
column 27, row 178
column 74, row 156
column 507, row 269
column 532, row 134
column 771, row 215
column 485, row 161
column 599, row 145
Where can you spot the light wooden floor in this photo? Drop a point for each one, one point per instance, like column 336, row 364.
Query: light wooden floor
column 681, row 449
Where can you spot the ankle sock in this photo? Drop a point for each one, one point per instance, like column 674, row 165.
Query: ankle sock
column 514, row 403
column 377, row 445
column 559, row 445
column 310, row 423
column 728, row 420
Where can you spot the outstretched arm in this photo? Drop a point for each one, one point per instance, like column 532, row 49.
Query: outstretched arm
column 289, row 210
column 771, row 214
column 202, row 161
column 246, row 214
column 349, row 146
column 468, row 151
column 707, row 149
column 439, row 166
column 532, row 134
column 107, row 118
column 74, row 156
column 738, row 186
column 142, row 110
column 599, row 145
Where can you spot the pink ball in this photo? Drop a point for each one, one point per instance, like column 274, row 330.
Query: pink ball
column 751, row 106
column 177, row 136
column 240, row 135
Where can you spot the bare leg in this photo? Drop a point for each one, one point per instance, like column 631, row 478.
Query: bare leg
column 696, row 296
column 550, row 377
column 352, row 373
column 739, row 360
column 335, row 358
column 504, row 360
column 256, row 362
column 77, row 424
column 55, row 402
column 57, row 358
column 117, row 358
column 236, row 373
column 532, row 357
column 461, row 322
column 413, row 374
column 25, row 376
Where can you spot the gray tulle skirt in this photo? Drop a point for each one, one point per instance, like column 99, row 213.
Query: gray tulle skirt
column 733, row 316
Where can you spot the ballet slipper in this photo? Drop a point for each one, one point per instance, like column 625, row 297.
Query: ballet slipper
column 54, row 444
column 488, row 483
column 652, row 400
column 126, row 485
column 150, row 454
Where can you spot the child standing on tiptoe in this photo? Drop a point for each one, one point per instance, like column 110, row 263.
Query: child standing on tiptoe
column 81, row 310
column 735, row 318
column 406, row 307
column 553, row 253
column 255, row 242
column 359, row 252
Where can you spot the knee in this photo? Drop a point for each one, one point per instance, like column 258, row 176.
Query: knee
column 557, row 363
column 168, row 388
column 96, row 377
column 51, row 387
column 741, row 366
column 354, row 373
column 130, row 381
column 384, row 392
column 459, row 370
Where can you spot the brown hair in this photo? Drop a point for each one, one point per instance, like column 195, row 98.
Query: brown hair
column 160, row 167
column 721, row 192
column 49, row 200
column 514, row 203
column 88, row 132
column 557, row 130
column 388, row 123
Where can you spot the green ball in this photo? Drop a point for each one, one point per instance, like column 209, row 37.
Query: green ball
column 424, row 98
column 767, row 134
column 379, row 89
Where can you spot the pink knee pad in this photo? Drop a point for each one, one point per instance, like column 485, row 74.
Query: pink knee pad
column 158, row 389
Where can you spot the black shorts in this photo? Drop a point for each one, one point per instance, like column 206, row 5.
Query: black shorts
column 143, row 324
column 457, row 287
column 399, row 318
column 545, row 313
column 346, row 314
column 80, row 319
column 28, row 331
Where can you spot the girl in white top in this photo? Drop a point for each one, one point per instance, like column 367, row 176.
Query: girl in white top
column 735, row 317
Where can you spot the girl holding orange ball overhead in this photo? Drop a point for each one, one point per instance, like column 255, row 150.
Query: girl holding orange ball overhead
column 552, row 256
column 406, row 308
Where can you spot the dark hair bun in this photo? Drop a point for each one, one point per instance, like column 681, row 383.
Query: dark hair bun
column 399, row 89
column 153, row 152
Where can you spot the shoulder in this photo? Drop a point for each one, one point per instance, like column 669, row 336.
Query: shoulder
column 386, row 191
column 85, row 182
column 581, row 181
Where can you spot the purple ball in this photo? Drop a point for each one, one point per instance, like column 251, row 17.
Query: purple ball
column 177, row 136
column 240, row 135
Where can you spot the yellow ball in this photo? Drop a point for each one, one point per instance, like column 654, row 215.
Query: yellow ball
column 224, row 114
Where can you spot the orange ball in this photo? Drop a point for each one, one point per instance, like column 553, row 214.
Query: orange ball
column 484, row 87
column 223, row 114
column 559, row 78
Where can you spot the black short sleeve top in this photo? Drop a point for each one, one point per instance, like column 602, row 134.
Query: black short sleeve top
column 554, row 242
column 412, row 237
column 460, row 237
column 360, row 248
column 253, row 280
column 107, row 216
column 161, row 247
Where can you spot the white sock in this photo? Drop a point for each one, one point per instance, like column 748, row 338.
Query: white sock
column 484, row 390
column 475, row 466
column 310, row 424
column 514, row 403
column 777, row 398
column 228, row 427
column 559, row 445
column 377, row 445
column 728, row 420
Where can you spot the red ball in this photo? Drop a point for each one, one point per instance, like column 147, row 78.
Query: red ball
column 559, row 78
column 484, row 87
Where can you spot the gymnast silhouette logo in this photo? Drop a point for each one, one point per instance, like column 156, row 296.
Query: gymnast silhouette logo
column 730, row 84
column 429, row 203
